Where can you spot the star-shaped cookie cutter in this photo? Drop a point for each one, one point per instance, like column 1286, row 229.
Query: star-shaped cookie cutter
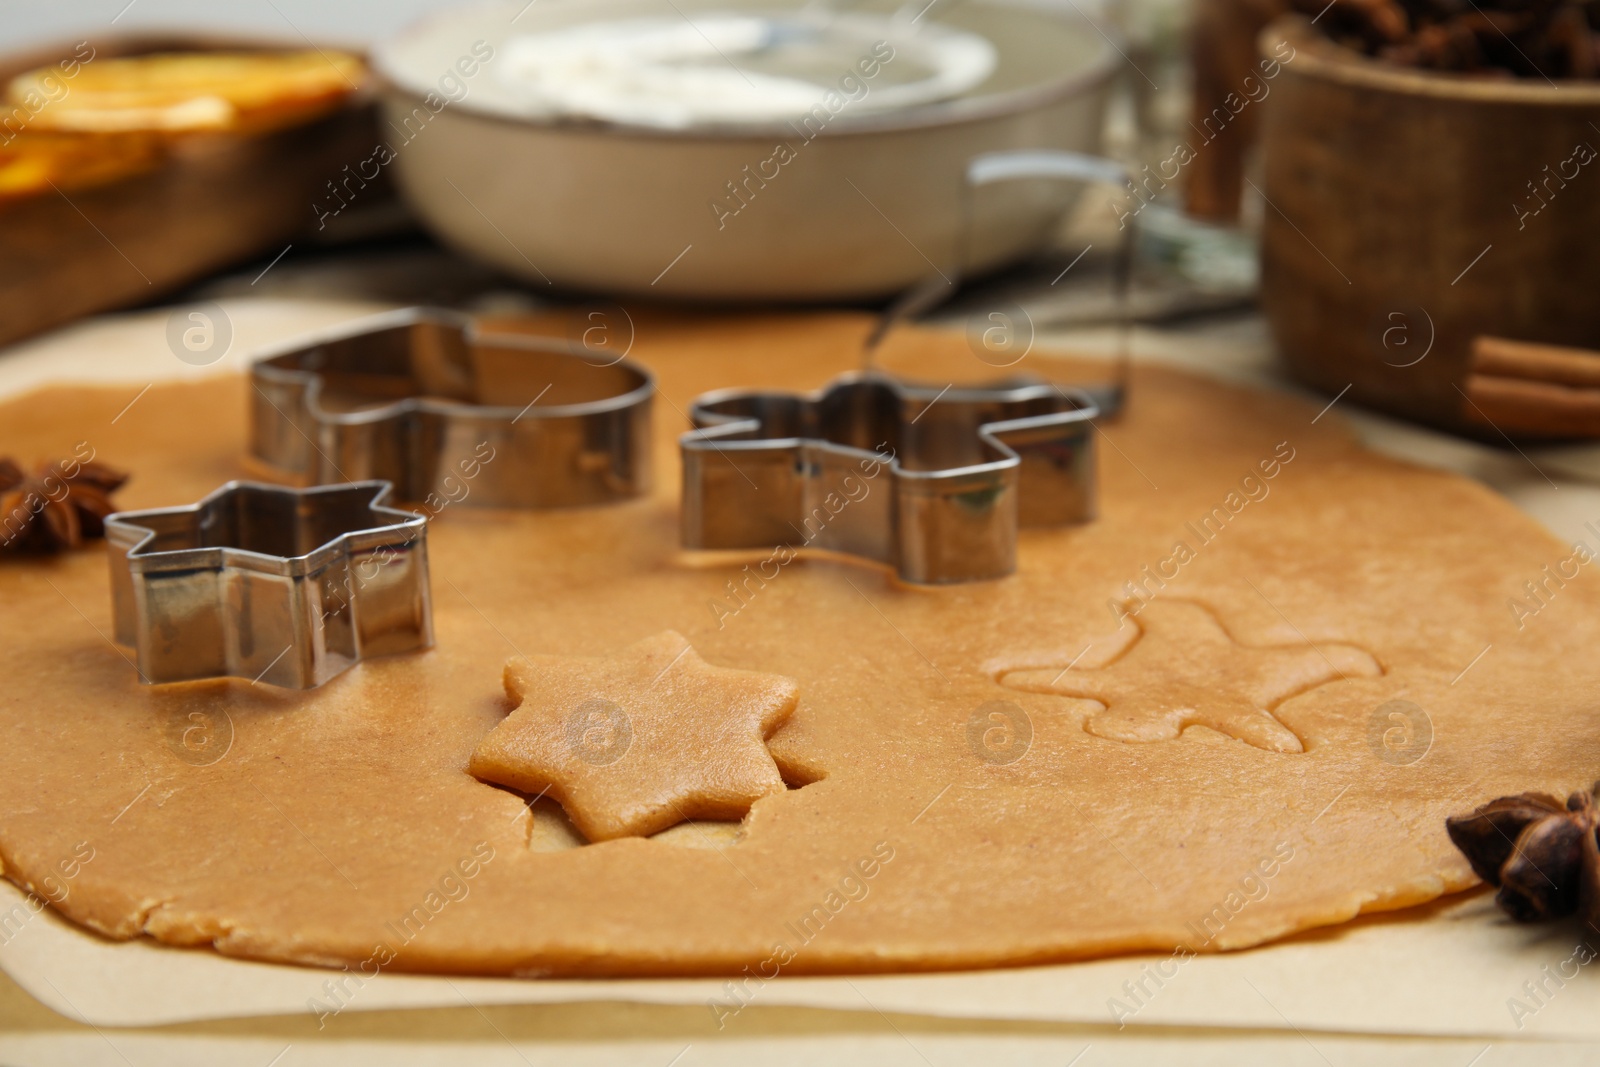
column 278, row 585
column 420, row 398
column 967, row 464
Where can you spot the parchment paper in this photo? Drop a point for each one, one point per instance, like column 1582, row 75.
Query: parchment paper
column 1450, row 969
column 1455, row 968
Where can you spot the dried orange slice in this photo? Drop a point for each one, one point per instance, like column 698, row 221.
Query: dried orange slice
column 33, row 163
column 183, row 91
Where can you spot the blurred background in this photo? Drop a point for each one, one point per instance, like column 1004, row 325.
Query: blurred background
column 1388, row 202
column 356, row 23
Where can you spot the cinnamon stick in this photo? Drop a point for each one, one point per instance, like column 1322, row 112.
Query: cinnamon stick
column 1522, row 407
column 1533, row 390
column 1500, row 357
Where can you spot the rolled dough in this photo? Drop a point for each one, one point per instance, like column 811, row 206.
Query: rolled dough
column 976, row 775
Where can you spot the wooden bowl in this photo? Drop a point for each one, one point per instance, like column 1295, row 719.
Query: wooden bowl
column 1409, row 212
column 217, row 200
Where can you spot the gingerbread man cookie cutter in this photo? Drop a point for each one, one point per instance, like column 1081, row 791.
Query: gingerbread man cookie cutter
column 968, row 465
column 420, row 398
column 278, row 585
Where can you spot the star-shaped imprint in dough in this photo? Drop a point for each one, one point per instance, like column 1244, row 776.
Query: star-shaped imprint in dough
column 633, row 742
column 1182, row 668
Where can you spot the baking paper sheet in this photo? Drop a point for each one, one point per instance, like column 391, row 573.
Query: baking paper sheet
column 1455, row 968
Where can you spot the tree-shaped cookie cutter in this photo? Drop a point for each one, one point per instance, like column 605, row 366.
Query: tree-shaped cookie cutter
column 279, row 585
column 965, row 466
column 420, row 398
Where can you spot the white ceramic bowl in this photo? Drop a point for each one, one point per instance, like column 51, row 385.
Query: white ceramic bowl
column 871, row 205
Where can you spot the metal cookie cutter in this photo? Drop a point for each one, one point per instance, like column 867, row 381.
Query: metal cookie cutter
column 285, row 586
column 967, row 465
column 420, row 398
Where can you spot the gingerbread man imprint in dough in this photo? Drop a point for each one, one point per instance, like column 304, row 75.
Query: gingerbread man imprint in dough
column 1180, row 667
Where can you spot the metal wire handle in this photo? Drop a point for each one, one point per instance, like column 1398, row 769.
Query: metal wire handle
column 993, row 167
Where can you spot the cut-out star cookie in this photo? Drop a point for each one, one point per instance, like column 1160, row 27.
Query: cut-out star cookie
column 1182, row 668
column 633, row 742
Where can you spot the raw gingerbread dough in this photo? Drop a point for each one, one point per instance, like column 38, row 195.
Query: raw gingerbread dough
column 961, row 793
column 1176, row 666
column 638, row 741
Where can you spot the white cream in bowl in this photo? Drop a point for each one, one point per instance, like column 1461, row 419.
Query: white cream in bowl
column 726, row 67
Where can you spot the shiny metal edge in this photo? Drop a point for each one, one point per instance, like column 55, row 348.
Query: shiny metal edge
column 308, row 661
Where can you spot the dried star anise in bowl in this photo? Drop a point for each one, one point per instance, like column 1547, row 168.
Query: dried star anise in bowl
column 1492, row 38
column 1543, row 855
column 60, row 505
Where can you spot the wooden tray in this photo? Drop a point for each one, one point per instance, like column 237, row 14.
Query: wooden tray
column 218, row 200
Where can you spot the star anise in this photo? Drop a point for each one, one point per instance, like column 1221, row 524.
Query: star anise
column 60, row 505
column 1490, row 38
column 1542, row 854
